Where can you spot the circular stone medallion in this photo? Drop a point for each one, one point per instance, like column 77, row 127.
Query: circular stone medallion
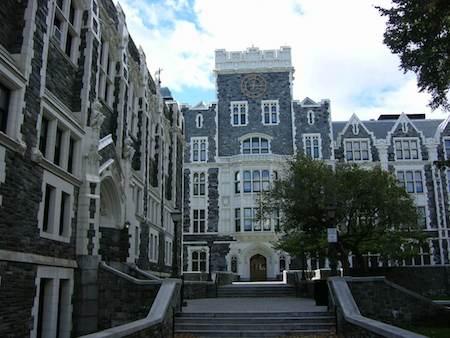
column 253, row 86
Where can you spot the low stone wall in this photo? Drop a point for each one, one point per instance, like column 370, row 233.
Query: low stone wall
column 225, row 278
column 121, row 301
column 114, row 244
column 198, row 289
column 382, row 300
column 18, row 290
column 429, row 281
column 202, row 276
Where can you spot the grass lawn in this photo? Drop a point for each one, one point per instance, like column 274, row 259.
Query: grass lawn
column 432, row 332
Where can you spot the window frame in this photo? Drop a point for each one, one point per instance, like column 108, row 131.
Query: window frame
column 199, row 250
column 198, row 184
column 270, row 104
column 404, row 183
column 312, row 137
column 409, row 140
column 198, row 141
column 446, row 154
column 239, row 113
column 360, row 141
column 258, row 150
column 106, row 74
column 198, row 212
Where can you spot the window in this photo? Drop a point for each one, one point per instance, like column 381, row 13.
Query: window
column 312, row 146
column 239, row 113
column 199, row 261
column 411, row 180
column 138, row 201
column 66, row 28
column 136, row 242
column 270, row 112
column 52, row 310
column 447, row 148
column 237, row 182
column 255, row 145
column 310, row 117
column 106, row 81
column 248, row 219
column 282, row 263
column 58, row 144
column 237, row 219
column 199, row 121
column 199, row 221
column 234, row 264
column 4, row 107
column 168, row 253
column 199, row 184
column 253, row 180
column 422, row 217
column 406, row 149
column 199, row 149
column 356, row 150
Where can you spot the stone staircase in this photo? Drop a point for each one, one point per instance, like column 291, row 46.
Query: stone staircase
column 255, row 324
column 256, row 290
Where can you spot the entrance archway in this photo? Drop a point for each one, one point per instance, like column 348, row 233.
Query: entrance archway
column 258, row 268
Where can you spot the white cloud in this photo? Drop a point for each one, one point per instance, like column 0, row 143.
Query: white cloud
column 337, row 48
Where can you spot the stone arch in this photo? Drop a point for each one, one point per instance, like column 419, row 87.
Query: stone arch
column 110, row 205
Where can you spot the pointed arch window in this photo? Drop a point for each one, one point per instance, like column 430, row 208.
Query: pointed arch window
column 199, row 121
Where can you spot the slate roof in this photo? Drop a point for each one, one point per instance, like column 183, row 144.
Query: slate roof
column 381, row 128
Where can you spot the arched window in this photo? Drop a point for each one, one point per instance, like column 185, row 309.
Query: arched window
column 199, row 261
column 282, row 263
column 199, row 121
column 234, row 264
column 310, row 117
column 199, row 184
column 255, row 145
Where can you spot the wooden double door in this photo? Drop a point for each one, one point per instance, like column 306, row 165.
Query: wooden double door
column 258, row 268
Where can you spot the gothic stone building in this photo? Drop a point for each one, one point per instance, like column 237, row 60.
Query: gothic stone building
column 90, row 163
column 237, row 146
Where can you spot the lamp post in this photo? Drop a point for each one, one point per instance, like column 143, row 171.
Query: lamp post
column 209, row 243
column 332, row 237
column 177, row 244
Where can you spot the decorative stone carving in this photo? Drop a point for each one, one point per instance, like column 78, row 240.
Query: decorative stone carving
column 97, row 117
column 128, row 150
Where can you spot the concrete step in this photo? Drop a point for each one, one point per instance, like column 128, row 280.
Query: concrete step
column 255, row 333
column 250, row 326
column 255, row 314
column 256, row 319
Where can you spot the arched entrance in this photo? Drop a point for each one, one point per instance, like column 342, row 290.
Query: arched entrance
column 258, row 268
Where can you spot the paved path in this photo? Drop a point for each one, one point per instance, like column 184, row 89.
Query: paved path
column 268, row 304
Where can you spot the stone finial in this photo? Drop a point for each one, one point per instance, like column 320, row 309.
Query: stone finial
column 97, row 117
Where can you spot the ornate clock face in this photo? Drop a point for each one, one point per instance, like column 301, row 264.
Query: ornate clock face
column 253, row 86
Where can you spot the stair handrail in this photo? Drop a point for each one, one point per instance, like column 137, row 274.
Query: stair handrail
column 131, row 279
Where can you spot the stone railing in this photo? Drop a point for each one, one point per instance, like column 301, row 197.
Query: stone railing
column 159, row 321
column 349, row 318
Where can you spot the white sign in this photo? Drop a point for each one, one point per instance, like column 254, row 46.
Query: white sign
column 332, row 235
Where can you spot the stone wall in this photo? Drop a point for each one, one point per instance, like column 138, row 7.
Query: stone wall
column 428, row 281
column 12, row 18
column 389, row 303
column 121, row 301
column 278, row 88
column 198, row 289
column 114, row 244
column 17, row 291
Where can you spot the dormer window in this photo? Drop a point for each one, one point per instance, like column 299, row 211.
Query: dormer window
column 310, row 117
column 255, row 145
column 199, row 121
column 356, row 150
column 406, row 148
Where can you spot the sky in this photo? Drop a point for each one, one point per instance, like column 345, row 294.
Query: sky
column 337, row 49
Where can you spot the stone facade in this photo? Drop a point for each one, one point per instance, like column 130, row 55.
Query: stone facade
column 244, row 139
column 90, row 165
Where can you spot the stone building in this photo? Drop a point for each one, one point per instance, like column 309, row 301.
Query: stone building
column 237, row 146
column 91, row 152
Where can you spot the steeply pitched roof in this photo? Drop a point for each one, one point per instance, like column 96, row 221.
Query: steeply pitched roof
column 381, row 128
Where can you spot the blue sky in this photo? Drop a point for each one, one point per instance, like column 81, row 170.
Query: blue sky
column 336, row 45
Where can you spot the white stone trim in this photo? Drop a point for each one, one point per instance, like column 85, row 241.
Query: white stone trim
column 55, row 274
column 252, row 58
column 22, row 257
column 313, row 136
column 238, row 103
column 60, row 186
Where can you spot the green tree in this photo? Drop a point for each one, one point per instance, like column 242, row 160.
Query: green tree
column 419, row 32
column 370, row 210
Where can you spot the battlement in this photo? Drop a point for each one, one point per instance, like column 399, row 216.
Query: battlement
column 252, row 59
